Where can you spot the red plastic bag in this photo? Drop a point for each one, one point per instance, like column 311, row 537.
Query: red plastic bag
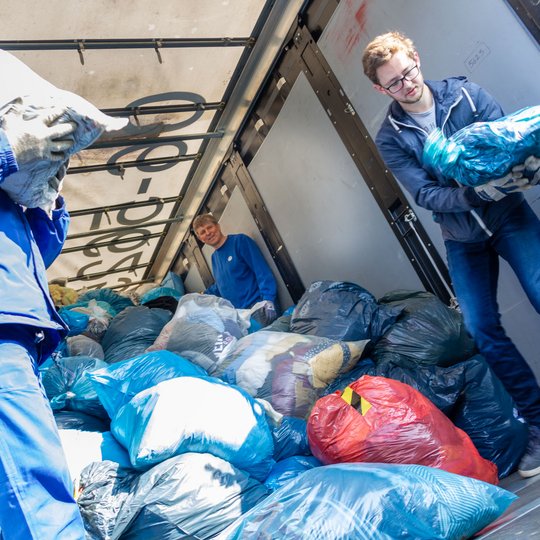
column 380, row 420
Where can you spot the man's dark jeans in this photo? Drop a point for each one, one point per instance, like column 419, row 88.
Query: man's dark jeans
column 474, row 268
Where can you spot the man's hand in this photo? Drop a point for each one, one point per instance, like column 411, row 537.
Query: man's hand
column 34, row 134
column 531, row 170
column 513, row 182
column 55, row 182
column 269, row 312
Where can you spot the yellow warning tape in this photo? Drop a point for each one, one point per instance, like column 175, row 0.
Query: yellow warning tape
column 354, row 400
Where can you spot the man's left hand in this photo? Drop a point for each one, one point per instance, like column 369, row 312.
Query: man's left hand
column 531, row 170
column 269, row 312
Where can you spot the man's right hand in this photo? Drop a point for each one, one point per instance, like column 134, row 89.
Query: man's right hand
column 34, row 134
column 495, row 190
column 531, row 169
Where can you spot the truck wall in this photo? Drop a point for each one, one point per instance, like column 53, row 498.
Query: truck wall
column 323, row 209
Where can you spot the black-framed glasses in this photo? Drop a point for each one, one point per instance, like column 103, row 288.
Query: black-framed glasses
column 409, row 75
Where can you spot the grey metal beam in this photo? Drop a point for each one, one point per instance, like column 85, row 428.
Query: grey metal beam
column 113, row 143
column 122, row 229
column 96, row 275
column 122, row 206
column 129, row 43
column 114, row 242
column 164, row 109
column 127, row 164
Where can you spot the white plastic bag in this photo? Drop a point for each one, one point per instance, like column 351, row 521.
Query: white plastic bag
column 22, row 87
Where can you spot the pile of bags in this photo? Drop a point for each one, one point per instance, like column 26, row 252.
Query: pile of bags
column 188, row 423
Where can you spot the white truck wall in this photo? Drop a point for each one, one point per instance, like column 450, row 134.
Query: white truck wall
column 483, row 40
column 324, row 211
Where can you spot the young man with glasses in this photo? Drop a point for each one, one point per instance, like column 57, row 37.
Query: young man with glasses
column 479, row 224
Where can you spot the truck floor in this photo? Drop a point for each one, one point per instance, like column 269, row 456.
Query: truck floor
column 522, row 519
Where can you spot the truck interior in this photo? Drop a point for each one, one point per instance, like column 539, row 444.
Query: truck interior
column 258, row 112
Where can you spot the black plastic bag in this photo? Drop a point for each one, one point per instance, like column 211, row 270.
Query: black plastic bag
column 342, row 311
column 427, row 332
column 132, row 331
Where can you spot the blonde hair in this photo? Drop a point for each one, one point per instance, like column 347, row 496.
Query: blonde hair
column 379, row 51
column 203, row 219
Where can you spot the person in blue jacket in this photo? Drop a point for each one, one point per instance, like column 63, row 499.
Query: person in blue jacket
column 36, row 499
column 478, row 224
column 241, row 273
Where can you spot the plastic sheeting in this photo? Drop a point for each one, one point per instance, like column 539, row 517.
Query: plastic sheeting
column 132, row 331
column 189, row 414
column 483, row 151
column 116, row 384
column 68, row 387
column 367, row 502
column 288, row 370
column 189, row 496
column 428, row 332
column 381, row 420
column 342, row 311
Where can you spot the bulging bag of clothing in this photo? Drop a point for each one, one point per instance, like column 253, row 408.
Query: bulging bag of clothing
column 373, row 501
column 132, row 331
column 203, row 329
column 290, row 371
column 469, row 394
column 428, row 332
column 25, row 90
column 341, row 310
column 192, row 496
column 68, row 387
column 116, row 384
column 195, row 414
column 380, row 420
column 483, row 151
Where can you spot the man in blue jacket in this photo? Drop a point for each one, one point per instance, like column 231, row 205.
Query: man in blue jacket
column 241, row 273
column 36, row 500
column 479, row 224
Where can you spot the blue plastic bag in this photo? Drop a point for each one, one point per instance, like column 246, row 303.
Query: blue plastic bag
column 290, row 438
column 202, row 414
column 132, row 331
column 77, row 322
column 286, row 470
column 117, row 301
column 68, row 387
column 174, row 281
column 369, row 501
column 116, row 384
column 158, row 292
column 484, row 151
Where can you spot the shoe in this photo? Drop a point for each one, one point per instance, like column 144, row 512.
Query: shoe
column 530, row 462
